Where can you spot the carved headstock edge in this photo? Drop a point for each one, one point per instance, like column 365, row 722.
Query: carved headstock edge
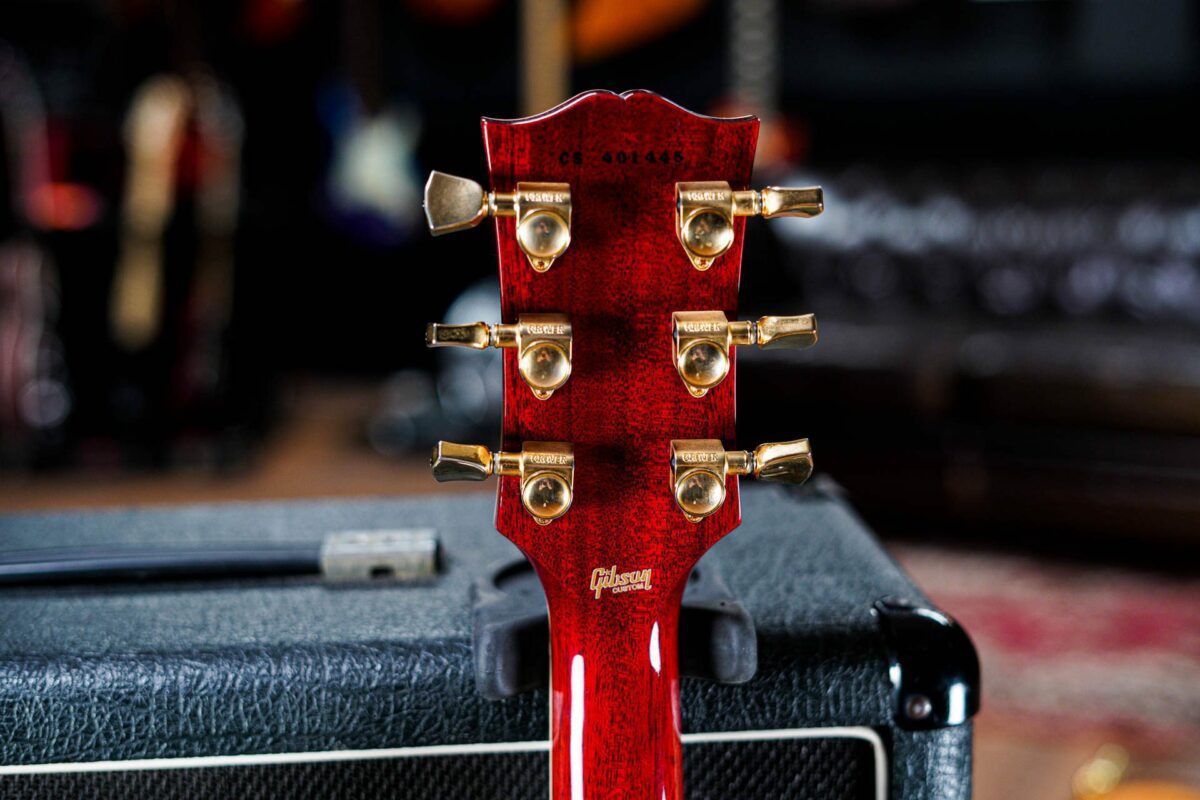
column 585, row 96
column 618, row 282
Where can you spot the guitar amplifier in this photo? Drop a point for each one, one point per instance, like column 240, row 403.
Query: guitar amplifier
column 837, row 679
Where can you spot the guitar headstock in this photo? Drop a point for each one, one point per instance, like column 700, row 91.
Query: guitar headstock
column 619, row 227
column 619, row 222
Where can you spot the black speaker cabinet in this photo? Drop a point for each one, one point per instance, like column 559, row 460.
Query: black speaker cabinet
column 821, row 671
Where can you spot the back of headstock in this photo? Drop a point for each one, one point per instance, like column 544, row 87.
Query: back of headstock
column 618, row 282
column 619, row 235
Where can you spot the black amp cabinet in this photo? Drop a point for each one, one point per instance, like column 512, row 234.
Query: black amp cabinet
column 827, row 674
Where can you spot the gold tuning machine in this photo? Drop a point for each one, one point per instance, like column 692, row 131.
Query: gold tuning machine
column 542, row 341
column 705, row 211
column 700, row 466
column 701, row 341
column 546, row 470
column 543, row 212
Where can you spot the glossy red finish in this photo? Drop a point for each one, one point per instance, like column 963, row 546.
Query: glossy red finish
column 615, row 679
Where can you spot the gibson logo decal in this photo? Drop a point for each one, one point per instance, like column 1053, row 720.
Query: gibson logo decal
column 619, row 581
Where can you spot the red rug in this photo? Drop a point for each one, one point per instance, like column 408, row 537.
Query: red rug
column 1069, row 647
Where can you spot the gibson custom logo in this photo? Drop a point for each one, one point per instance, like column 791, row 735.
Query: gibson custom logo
column 619, row 581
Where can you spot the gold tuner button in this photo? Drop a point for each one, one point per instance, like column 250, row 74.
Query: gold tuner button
column 782, row 462
column 546, row 471
column 453, row 203
column 542, row 210
column 542, row 341
column 700, row 467
column 705, row 210
column 460, row 462
column 702, row 340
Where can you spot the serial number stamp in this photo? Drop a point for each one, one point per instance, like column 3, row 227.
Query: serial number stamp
column 653, row 157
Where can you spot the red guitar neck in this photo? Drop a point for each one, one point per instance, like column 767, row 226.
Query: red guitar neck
column 615, row 564
column 615, row 697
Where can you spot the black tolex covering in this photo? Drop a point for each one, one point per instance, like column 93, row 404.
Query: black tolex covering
column 292, row 664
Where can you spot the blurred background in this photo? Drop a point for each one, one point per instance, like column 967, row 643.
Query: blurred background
column 214, row 275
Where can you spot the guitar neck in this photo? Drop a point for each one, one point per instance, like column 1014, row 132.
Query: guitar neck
column 614, row 704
